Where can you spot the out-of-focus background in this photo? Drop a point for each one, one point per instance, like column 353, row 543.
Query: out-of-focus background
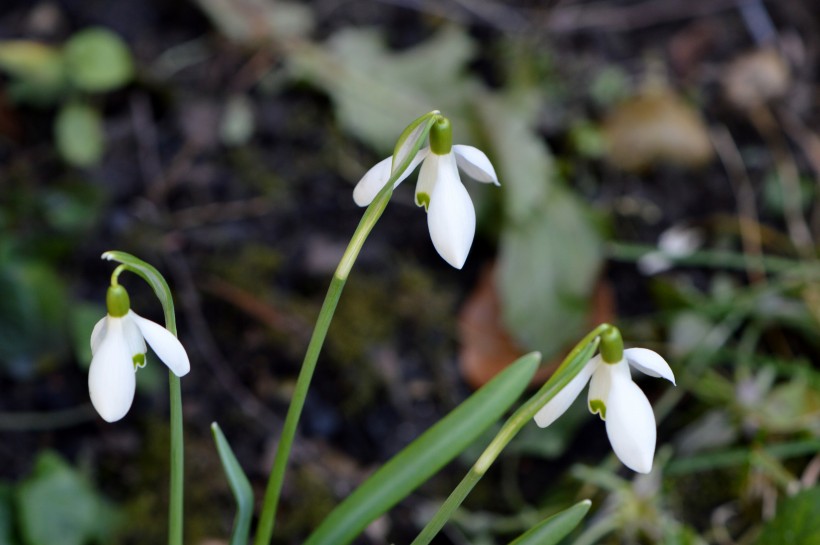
column 659, row 163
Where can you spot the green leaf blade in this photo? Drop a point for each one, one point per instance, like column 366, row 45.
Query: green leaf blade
column 37, row 70
column 372, row 86
column 797, row 521
column 79, row 134
column 240, row 486
column 58, row 506
column 549, row 290
column 97, row 60
column 426, row 455
column 553, row 529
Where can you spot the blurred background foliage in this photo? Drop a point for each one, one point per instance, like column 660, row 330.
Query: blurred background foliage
column 659, row 165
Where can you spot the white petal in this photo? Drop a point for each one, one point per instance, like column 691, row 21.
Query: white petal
column 650, row 363
column 451, row 216
column 653, row 263
column 375, row 178
column 598, row 394
column 166, row 346
column 680, row 241
column 133, row 335
column 428, row 174
column 475, row 163
column 372, row 182
column 111, row 377
column 559, row 404
column 630, row 425
column 601, row 384
column 98, row 333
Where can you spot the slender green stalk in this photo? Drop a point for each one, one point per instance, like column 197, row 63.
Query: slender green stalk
column 334, row 292
column 175, row 515
column 405, row 150
column 571, row 366
column 624, row 251
column 177, row 479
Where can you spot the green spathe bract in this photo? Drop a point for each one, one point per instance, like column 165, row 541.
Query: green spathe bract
column 426, row 455
column 411, row 140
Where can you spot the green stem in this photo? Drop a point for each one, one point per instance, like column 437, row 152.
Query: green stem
column 563, row 375
column 153, row 278
column 624, row 251
column 274, row 488
column 177, row 479
column 175, row 514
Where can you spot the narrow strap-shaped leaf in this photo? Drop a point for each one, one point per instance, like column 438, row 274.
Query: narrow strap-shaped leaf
column 571, row 366
column 240, row 486
column 553, row 529
column 426, row 455
column 152, row 276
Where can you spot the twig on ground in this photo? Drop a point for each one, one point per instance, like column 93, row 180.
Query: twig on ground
column 748, row 220
column 789, row 178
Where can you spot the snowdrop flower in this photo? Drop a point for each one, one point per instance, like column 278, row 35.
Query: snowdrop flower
column 118, row 350
column 676, row 242
column 450, row 212
column 630, row 422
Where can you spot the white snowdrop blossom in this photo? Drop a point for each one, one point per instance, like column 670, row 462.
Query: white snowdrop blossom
column 450, row 212
column 118, row 350
column 630, row 422
column 676, row 242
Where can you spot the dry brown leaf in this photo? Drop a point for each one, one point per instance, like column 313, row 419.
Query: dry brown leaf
column 755, row 78
column 657, row 126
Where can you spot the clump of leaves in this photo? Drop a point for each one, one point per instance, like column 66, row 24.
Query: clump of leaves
column 57, row 505
column 94, row 60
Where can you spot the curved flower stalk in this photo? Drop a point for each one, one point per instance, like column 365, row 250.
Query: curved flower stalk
column 118, row 349
column 630, row 422
column 450, row 212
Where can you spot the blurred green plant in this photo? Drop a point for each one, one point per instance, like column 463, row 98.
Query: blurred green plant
column 797, row 521
column 32, row 316
column 92, row 61
column 40, row 321
column 57, row 505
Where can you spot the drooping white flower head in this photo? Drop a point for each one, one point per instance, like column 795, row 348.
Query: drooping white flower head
column 118, row 350
column 630, row 422
column 450, row 212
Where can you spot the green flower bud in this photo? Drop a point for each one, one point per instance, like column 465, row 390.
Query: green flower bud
column 612, row 346
column 441, row 136
column 117, row 301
